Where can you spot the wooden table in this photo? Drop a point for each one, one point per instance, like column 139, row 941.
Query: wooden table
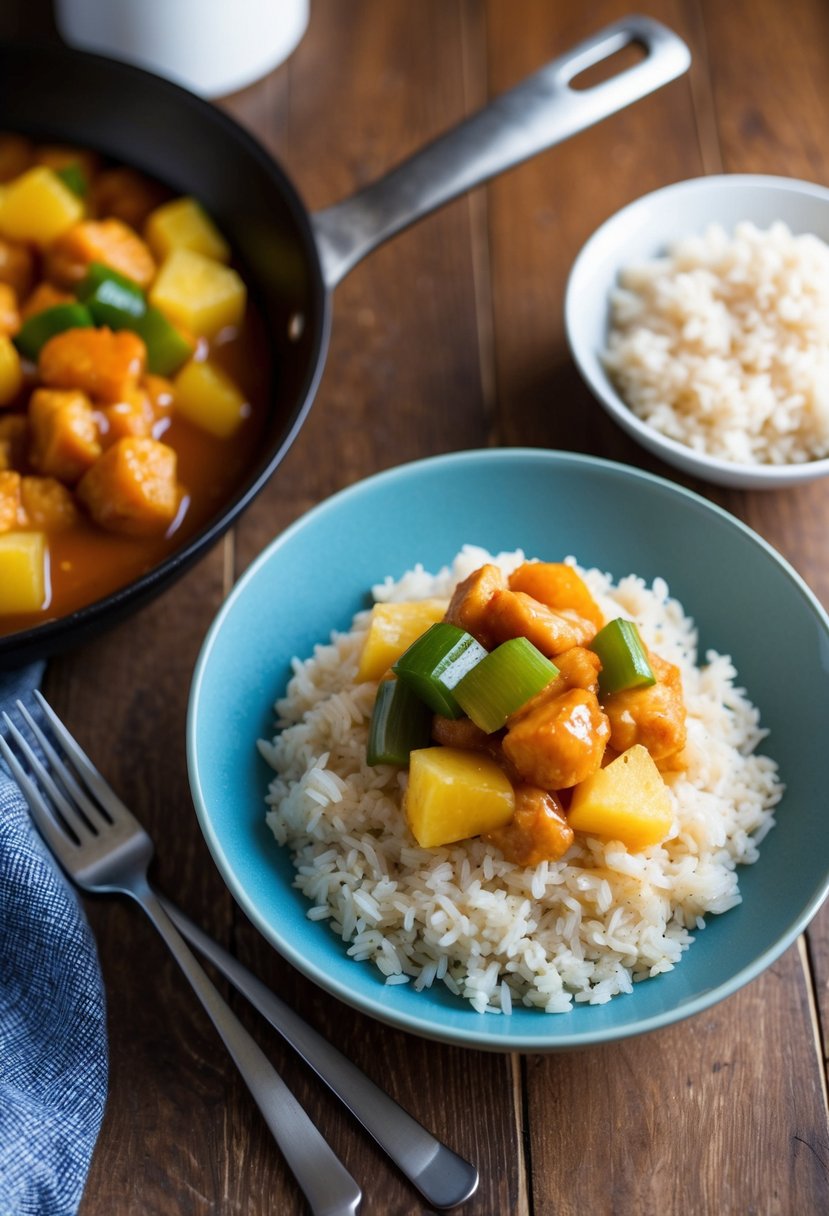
column 451, row 337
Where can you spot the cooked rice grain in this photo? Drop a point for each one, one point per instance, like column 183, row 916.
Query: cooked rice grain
column 584, row 928
column 723, row 344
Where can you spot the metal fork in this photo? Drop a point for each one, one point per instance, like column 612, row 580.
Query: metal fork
column 104, row 849
column 442, row 1177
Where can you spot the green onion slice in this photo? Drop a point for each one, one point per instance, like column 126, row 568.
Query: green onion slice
column 436, row 663
column 504, row 681
column 36, row 332
column 624, row 658
column 400, row 723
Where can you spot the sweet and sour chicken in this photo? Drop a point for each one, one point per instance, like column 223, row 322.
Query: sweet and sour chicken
column 600, row 721
column 122, row 333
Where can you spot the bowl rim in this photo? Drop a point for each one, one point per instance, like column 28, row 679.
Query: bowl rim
column 725, row 472
column 533, row 1041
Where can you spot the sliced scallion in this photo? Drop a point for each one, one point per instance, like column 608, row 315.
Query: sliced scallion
column 400, row 723
column 624, row 658
column 436, row 663
column 504, row 681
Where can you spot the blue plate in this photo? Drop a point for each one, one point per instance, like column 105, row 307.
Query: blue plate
column 745, row 599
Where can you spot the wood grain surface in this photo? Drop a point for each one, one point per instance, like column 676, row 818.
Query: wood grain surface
column 451, row 337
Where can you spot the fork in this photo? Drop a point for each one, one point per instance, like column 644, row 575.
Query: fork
column 104, row 849
column 441, row 1176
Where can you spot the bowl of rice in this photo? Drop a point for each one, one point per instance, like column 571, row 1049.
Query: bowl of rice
column 699, row 317
column 456, row 943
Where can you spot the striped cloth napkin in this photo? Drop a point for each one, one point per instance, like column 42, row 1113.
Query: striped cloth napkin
column 53, row 1043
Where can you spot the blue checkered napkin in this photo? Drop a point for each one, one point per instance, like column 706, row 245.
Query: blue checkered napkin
column 53, row 1045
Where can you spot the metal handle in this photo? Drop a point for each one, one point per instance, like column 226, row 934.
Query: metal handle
column 540, row 112
column 323, row 1179
column 442, row 1177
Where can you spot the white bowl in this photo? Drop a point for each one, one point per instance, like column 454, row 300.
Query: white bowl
column 643, row 230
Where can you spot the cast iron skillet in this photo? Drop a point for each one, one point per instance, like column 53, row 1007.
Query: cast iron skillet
column 292, row 260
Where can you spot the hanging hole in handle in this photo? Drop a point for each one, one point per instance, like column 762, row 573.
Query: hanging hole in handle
column 618, row 61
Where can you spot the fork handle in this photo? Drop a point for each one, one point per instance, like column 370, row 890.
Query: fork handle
column 323, row 1179
column 442, row 1177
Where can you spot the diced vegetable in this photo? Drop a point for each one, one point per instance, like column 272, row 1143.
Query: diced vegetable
column 198, row 293
column 558, row 586
column 117, row 301
column 38, row 207
column 627, row 801
column 36, row 332
column 400, row 723
column 453, row 794
column 74, row 177
column 132, row 487
column 623, row 657
column 184, row 224
column 391, row 631
column 502, row 682
column 436, row 663
column 111, row 296
column 207, row 397
column 23, row 557
column 11, row 373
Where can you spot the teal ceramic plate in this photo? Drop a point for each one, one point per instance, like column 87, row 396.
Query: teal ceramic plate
column 746, row 601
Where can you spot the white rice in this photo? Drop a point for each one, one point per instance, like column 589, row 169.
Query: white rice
column 723, row 344
column 583, row 928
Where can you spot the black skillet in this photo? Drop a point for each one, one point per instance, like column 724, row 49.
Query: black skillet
column 292, row 259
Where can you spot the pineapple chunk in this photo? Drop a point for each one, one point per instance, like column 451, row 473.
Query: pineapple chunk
column 207, row 397
column 391, row 631
column 455, row 794
column 11, row 373
column 38, row 207
column 22, row 571
column 198, row 293
column 626, row 801
column 184, row 224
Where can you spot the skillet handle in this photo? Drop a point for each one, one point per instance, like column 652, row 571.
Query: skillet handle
column 542, row 111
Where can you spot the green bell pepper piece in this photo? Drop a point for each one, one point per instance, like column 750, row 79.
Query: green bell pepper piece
column 36, row 332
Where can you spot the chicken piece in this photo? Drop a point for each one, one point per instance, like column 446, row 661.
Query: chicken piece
column 654, row 716
column 579, row 668
column 11, row 510
column 132, row 488
column 133, row 416
column 470, row 599
column 125, row 195
column 17, row 267
column 538, row 830
column 44, row 296
column 16, row 155
column 47, row 504
column 109, row 241
column 514, row 614
column 559, row 741
column 558, row 586
column 99, row 362
column 459, row 732
column 159, row 390
column 9, row 312
column 64, row 434
column 14, row 441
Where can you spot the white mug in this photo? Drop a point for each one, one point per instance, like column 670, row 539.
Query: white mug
column 211, row 47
